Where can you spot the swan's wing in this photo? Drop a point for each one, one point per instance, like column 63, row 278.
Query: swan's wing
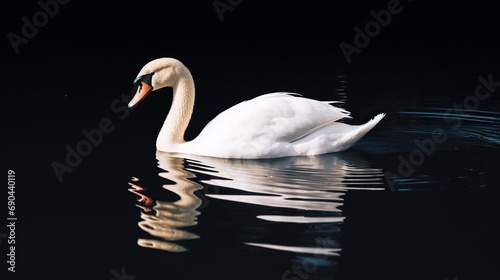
column 270, row 118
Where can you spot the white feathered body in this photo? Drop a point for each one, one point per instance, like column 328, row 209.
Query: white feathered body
column 269, row 126
column 276, row 125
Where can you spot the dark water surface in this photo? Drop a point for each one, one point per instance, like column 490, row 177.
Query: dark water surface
column 416, row 198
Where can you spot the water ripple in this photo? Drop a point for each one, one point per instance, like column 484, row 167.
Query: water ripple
column 295, row 190
column 464, row 130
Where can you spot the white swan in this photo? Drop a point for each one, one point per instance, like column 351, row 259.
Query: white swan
column 269, row 126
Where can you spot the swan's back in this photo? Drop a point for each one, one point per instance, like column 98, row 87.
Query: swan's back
column 271, row 125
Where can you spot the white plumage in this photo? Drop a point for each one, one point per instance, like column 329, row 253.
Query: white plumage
column 268, row 126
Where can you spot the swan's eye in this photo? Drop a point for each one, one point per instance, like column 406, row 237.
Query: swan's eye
column 147, row 79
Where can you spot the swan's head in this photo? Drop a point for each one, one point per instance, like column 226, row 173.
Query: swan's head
column 156, row 74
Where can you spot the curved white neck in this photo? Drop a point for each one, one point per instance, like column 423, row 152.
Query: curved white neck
column 180, row 112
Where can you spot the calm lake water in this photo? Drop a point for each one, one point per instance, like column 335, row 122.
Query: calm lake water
column 380, row 209
column 416, row 198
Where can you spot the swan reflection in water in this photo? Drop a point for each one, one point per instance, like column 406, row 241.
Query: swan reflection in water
column 163, row 219
column 290, row 186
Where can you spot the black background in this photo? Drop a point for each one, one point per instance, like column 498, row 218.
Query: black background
column 86, row 29
column 65, row 78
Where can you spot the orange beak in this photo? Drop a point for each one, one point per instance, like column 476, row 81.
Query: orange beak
column 142, row 90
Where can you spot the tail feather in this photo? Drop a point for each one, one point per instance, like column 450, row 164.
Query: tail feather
column 358, row 131
column 335, row 137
